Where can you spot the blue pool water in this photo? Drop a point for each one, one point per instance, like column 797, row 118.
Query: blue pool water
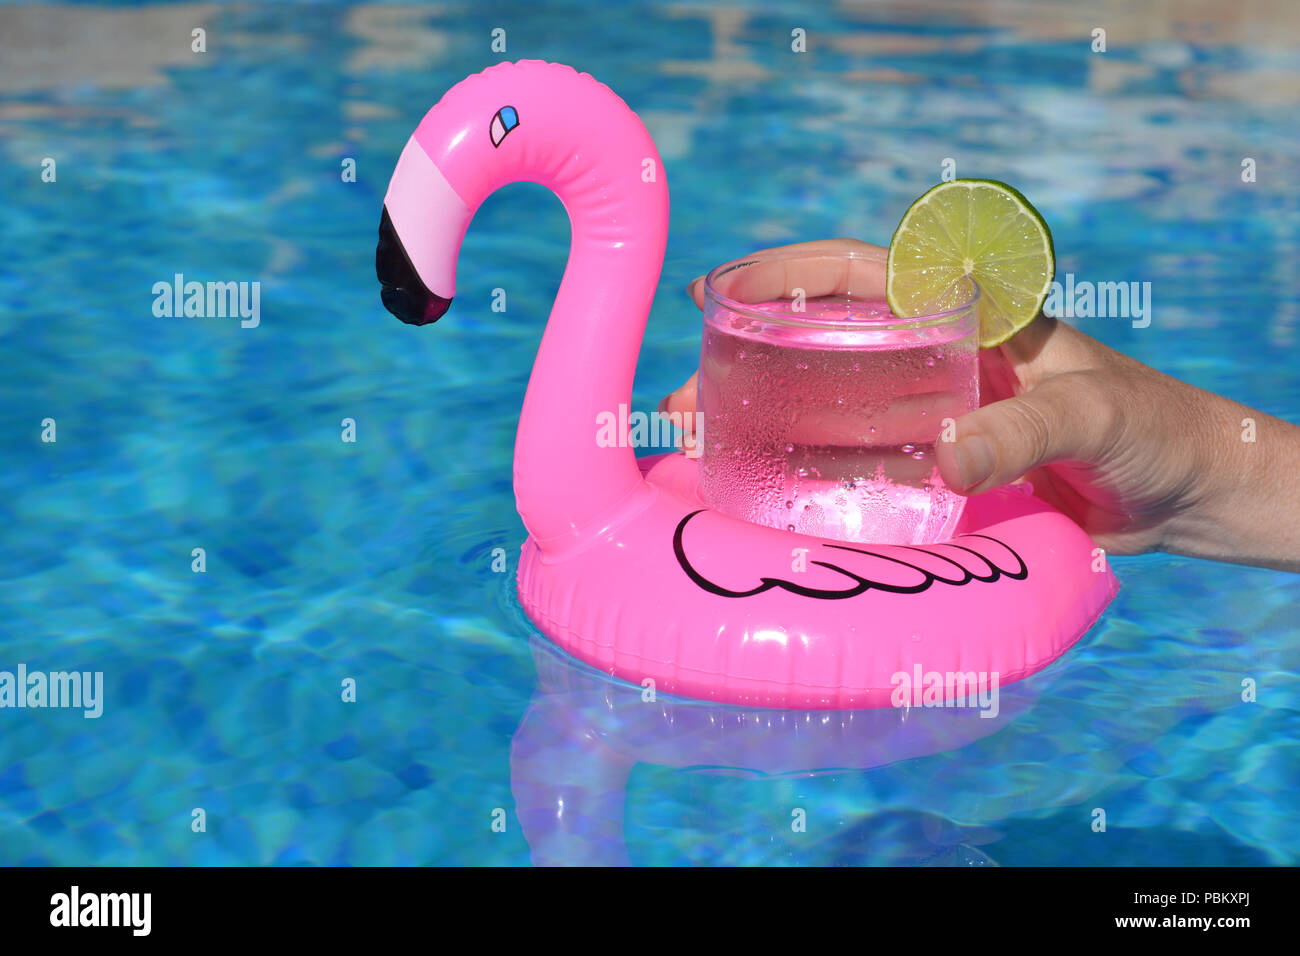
column 373, row 560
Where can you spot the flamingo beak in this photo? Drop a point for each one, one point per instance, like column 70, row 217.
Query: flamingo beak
column 404, row 292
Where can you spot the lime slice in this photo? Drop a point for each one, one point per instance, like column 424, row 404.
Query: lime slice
column 978, row 228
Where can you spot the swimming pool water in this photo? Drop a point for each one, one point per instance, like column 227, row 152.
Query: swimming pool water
column 372, row 560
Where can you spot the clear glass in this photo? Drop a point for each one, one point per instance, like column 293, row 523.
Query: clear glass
column 821, row 408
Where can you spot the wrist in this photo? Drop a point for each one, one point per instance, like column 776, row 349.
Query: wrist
column 1242, row 506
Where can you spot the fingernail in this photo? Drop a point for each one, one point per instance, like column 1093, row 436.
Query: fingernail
column 975, row 461
column 663, row 405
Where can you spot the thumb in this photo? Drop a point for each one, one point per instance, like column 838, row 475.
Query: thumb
column 1064, row 418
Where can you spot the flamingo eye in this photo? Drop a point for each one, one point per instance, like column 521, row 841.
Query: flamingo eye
column 503, row 122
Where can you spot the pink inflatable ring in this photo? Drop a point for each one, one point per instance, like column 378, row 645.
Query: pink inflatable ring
column 625, row 566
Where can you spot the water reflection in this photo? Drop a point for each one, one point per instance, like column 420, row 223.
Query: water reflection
column 574, row 750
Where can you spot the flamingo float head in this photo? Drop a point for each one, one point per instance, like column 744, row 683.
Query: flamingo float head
column 416, row 262
column 527, row 121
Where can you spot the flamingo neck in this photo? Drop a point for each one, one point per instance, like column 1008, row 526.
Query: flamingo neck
column 568, row 478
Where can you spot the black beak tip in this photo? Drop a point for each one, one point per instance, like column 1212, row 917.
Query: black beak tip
column 414, row 306
column 404, row 292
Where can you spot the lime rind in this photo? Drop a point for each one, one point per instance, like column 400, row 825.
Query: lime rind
column 979, row 228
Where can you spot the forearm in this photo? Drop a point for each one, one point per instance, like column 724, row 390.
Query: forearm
column 1249, row 511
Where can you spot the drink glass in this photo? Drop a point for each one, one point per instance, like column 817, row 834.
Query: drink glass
column 821, row 408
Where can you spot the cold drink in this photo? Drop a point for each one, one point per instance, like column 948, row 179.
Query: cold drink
column 824, row 420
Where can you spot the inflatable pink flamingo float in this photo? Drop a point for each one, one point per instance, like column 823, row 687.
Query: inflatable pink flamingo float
column 625, row 566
